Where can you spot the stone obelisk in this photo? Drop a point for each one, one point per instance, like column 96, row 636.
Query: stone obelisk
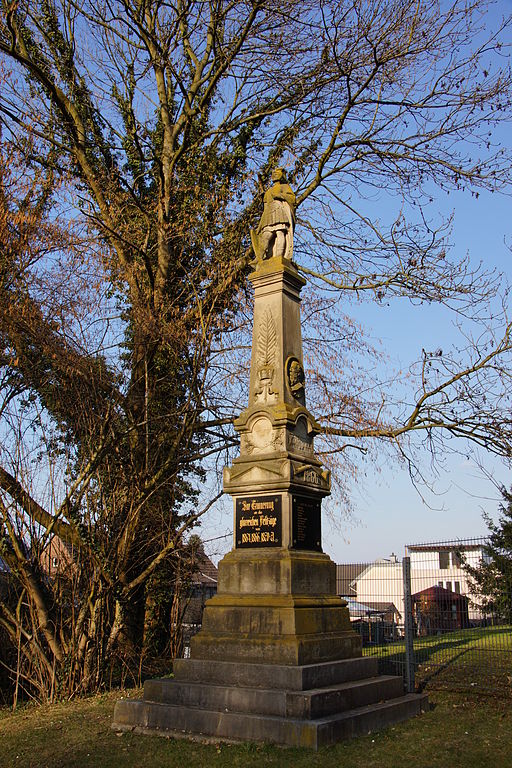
column 276, row 601
column 276, row 659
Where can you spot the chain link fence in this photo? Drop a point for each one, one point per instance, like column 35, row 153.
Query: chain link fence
column 423, row 619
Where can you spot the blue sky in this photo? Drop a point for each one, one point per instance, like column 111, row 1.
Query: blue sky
column 390, row 512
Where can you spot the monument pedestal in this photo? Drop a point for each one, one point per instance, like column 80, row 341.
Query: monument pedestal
column 298, row 706
column 277, row 607
column 276, row 661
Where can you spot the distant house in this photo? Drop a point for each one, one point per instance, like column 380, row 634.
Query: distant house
column 381, row 584
column 375, row 621
column 437, row 609
column 346, row 575
column 442, row 565
column 57, row 558
column 204, row 586
column 435, row 564
column 387, row 612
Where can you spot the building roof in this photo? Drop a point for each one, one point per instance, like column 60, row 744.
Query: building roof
column 206, row 572
column 358, row 609
column 346, row 574
column 383, row 607
column 446, row 546
column 440, row 594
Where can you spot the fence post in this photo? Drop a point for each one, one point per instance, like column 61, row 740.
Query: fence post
column 408, row 627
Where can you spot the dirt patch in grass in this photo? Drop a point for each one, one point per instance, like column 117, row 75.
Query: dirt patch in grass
column 459, row 731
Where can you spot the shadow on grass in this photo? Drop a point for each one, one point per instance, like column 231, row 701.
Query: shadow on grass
column 442, row 658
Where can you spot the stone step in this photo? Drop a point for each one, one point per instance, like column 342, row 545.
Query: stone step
column 329, row 700
column 369, row 719
column 216, row 697
column 309, row 705
column 169, row 720
column 274, row 676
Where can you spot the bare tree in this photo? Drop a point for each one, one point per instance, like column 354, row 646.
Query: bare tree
column 157, row 127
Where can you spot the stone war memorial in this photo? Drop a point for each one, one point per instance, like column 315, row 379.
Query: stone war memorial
column 276, row 659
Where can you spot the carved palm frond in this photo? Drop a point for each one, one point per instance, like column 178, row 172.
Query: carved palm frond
column 267, row 341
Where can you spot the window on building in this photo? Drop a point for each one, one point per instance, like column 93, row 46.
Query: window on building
column 444, row 559
column 456, row 559
column 55, row 562
column 456, row 587
column 439, row 583
column 449, row 585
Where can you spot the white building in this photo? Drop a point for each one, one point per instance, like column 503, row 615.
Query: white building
column 431, row 565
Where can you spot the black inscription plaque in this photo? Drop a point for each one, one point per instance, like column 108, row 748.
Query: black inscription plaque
column 258, row 521
column 306, row 526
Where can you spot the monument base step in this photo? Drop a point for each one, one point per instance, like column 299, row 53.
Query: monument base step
column 333, row 706
column 280, row 676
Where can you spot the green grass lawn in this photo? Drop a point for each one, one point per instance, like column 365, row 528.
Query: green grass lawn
column 461, row 729
column 458, row 732
column 478, row 659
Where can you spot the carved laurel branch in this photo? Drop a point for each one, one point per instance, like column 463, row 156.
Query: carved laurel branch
column 267, row 341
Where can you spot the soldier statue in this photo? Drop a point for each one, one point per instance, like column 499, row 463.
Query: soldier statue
column 274, row 234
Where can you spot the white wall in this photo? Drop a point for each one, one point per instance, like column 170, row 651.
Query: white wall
column 383, row 581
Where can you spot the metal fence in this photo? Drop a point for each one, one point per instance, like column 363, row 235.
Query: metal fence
column 422, row 617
